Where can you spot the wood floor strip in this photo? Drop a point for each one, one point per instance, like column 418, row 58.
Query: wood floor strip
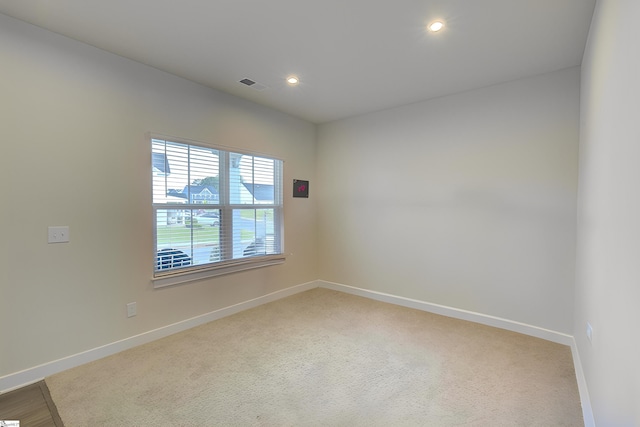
column 31, row 405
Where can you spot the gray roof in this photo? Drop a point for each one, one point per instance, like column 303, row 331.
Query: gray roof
column 193, row 189
column 260, row 191
column 160, row 162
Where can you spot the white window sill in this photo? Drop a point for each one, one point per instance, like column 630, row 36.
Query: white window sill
column 184, row 276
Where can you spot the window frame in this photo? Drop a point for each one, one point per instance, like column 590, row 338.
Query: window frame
column 174, row 276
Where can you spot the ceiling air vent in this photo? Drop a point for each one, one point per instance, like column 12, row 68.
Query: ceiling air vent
column 253, row 85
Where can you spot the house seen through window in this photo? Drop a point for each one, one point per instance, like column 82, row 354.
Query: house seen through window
column 213, row 207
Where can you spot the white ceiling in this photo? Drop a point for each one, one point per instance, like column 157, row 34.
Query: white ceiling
column 352, row 56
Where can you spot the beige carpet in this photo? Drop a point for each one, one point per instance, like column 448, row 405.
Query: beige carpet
column 326, row 358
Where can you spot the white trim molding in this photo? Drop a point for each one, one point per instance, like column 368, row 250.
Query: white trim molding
column 484, row 319
column 587, row 411
column 213, row 271
column 31, row 375
column 37, row 373
column 510, row 325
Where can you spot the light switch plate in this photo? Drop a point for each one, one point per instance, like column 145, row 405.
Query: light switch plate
column 59, row 234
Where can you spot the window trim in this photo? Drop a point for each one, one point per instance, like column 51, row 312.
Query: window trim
column 218, row 269
column 162, row 279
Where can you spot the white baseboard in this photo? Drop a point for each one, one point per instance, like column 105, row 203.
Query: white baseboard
column 510, row 325
column 587, row 411
column 31, row 375
column 37, row 373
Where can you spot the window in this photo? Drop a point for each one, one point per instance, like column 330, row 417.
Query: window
column 214, row 211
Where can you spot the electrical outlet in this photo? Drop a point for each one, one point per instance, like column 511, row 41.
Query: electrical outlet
column 59, row 234
column 589, row 332
column 131, row 309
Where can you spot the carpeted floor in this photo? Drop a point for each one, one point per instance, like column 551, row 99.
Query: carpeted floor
column 326, row 358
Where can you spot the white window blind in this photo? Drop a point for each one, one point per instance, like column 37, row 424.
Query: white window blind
column 214, row 208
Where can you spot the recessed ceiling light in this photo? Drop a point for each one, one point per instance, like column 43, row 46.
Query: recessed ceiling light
column 436, row 26
column 293, row 80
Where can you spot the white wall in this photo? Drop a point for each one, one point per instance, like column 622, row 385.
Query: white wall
column 608, row 250
column 468, row 201
column 74, row 153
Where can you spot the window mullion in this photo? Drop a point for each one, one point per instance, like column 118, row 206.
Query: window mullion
column 226, row 224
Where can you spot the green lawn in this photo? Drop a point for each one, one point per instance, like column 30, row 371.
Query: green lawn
column 169, row 235
column 179, row 235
